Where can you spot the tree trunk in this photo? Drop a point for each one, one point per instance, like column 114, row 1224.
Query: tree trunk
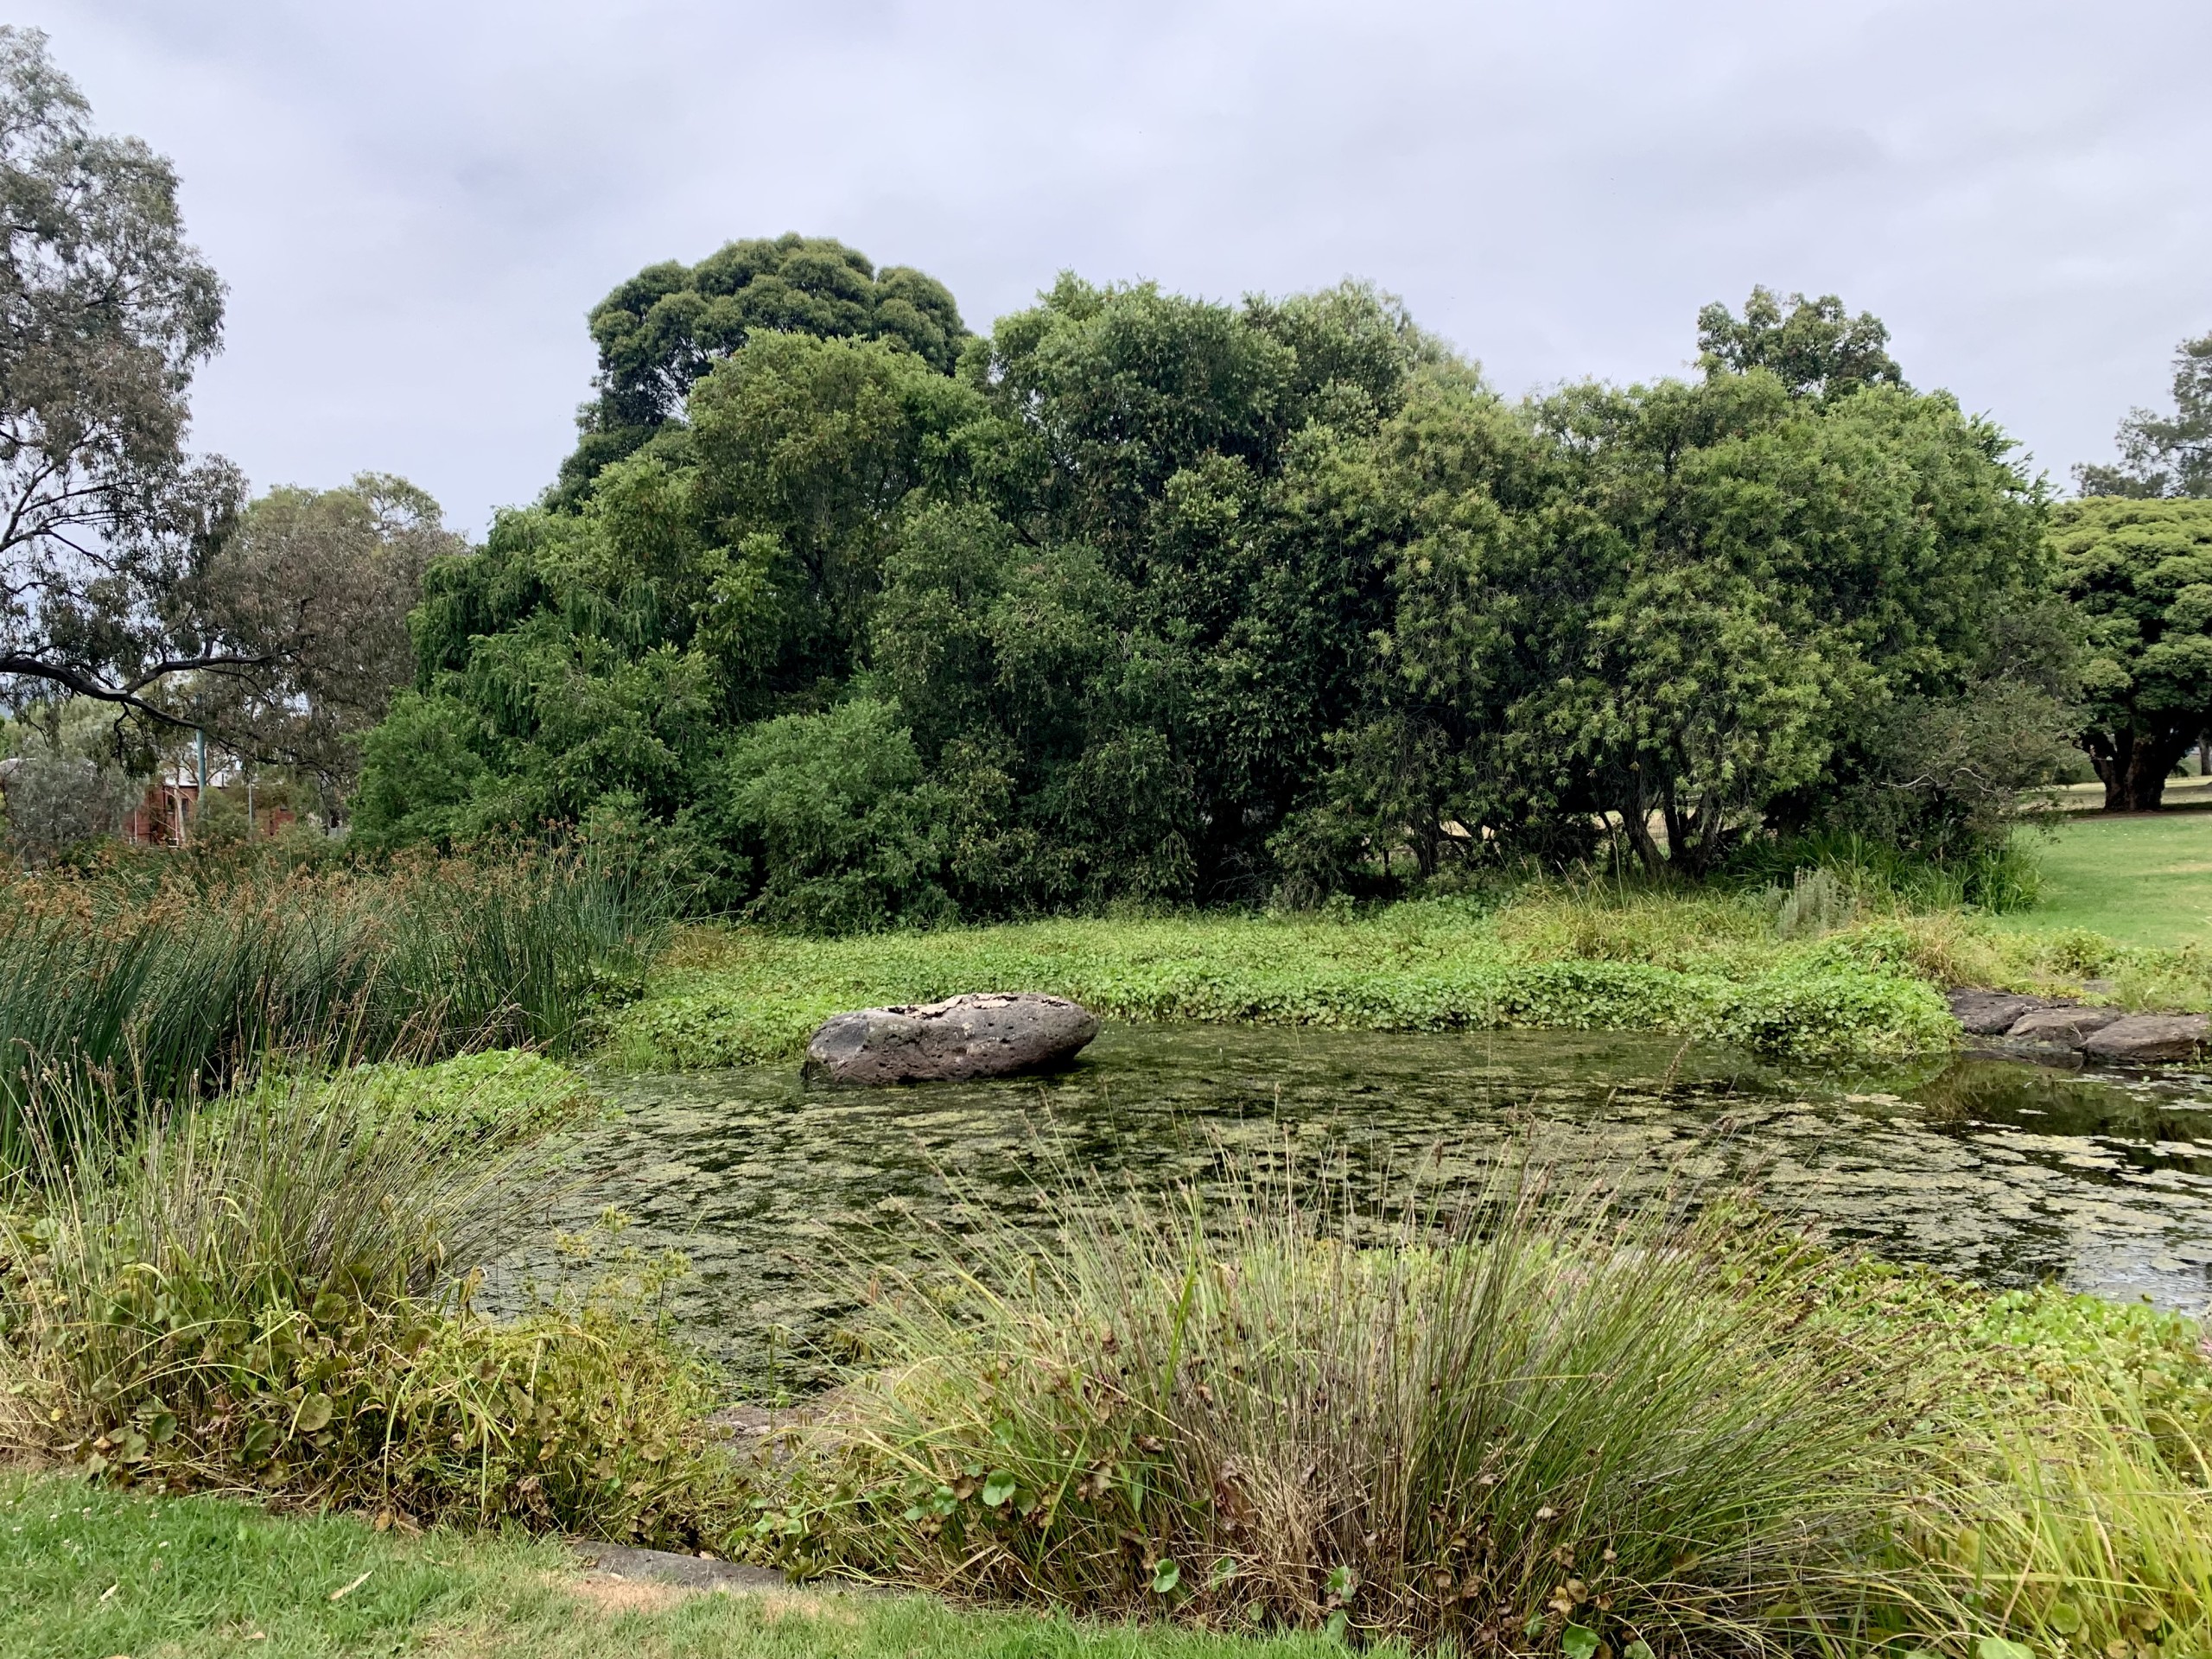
column 2147, row 770
column 1636, row 822
column 2133, row 765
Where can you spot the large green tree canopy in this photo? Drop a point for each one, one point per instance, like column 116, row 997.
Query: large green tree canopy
column 2139, row 572
column 1156, row 597
column 662, row 330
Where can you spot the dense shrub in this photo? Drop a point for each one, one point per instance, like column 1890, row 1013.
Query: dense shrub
column 837, row 827
column 274, row 1291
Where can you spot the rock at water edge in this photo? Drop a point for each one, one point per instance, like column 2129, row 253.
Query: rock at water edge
column 2062, row 1025
column 2148, row 1037
column 987, row 1034
column 1991, row 1013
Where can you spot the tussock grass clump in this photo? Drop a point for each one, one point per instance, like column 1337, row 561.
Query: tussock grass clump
column 1535, row 1421
column 143, row 984
column 273, row 1292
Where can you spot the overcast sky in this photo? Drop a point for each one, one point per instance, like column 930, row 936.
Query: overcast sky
column 415, row 203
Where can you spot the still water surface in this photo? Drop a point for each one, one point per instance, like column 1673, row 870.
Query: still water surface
column 2002, row 1173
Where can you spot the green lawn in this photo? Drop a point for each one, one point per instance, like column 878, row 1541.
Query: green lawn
column 86, row 1571
column 2142, row 879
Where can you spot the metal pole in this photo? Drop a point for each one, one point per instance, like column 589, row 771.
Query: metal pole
column 200, row 793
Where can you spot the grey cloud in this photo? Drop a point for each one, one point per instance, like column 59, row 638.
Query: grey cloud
column 415, row 203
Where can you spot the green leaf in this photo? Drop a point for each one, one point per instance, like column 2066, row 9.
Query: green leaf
column 1224, row 1571
column 1343, row 1580
column 998, row 1488
column 1638, row 1649
column 1338, row 1624
column 1579, row 1641
column 1165, row 1576
column 2064, row 1618
column 314, row 1414
column 1996, row 1647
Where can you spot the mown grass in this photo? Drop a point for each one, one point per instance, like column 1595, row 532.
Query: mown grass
column 88, row 1570
column 2142, row 879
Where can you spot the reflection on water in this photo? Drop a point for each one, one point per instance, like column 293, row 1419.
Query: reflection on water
column 2001, row 1173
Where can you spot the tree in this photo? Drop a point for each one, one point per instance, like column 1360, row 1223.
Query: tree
column 321, row 581
column 106, row 312
column 1816, row 348
column 721, row 575
column 1163, row 598
column 2139, row 573
column 1676, row 605
column 65, row 783
column 660, row 332
column 2164, row 455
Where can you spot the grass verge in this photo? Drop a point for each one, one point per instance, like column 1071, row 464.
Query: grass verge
column 84, row 1569
column 2140, row 879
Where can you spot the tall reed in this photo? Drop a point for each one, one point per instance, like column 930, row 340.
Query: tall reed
column 155, row 986
column 1528, row 1420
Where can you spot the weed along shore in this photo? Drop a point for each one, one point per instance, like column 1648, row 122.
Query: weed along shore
column 1712, row 966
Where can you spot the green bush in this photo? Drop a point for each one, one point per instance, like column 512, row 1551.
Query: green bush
column 832, row 812
column 275, row 1292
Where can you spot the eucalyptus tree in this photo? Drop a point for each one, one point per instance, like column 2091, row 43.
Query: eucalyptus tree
column 106, row 311
column 2166, row 454
column 322, row 580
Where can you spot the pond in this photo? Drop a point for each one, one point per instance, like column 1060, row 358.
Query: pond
column 2002, row 1173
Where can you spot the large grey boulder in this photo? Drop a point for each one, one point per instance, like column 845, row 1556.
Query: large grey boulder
column 1991, row 1013
column 990, row 1034
column 2072, row 1026
column 2149, row 1037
